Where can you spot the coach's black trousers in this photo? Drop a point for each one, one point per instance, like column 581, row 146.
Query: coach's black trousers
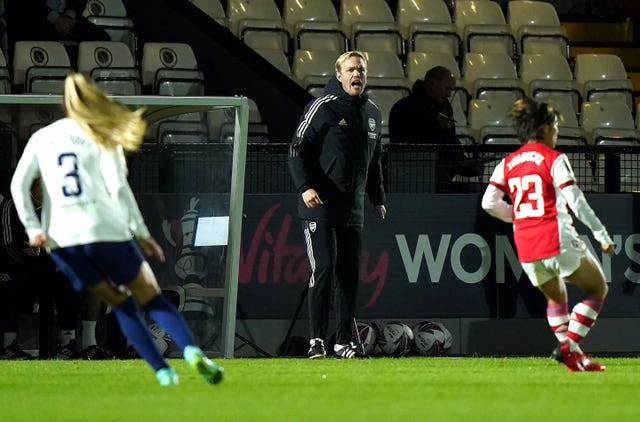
column 334, row 255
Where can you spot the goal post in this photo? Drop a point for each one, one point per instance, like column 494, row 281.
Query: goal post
column 181, row 157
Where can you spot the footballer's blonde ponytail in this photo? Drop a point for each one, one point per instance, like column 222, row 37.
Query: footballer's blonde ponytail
column 107, row 122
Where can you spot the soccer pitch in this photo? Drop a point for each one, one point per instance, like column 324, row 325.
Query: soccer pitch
column 381, row 389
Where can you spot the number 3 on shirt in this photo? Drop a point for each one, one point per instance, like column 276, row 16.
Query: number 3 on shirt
column 531, row 205
column 69, row 163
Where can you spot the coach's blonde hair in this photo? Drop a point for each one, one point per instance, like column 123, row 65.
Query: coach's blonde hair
column 345, row 56
column 108, row 122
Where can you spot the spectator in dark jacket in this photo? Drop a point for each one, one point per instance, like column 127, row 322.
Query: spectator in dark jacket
column 426, row 117
column 334, row 159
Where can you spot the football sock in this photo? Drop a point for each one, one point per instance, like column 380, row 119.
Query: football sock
column 558, row 318
column 9, row 337
column 164, row 313
column 65, row 336
column 583, row 317
column 136, row 331
column 88, row 333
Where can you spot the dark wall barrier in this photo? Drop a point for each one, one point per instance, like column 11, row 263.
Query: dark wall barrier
column 436, row 255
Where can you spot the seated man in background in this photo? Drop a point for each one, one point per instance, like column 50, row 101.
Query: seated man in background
column 426, row 117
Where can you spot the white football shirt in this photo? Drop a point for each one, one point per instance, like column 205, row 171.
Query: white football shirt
column 86, row 195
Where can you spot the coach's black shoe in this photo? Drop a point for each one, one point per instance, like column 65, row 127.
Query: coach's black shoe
column 95, row 352
column 70, row 351
column 14, row 352
column 348, row 351
column 317, row 349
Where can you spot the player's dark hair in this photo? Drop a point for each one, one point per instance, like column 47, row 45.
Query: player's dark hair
column 529, row 116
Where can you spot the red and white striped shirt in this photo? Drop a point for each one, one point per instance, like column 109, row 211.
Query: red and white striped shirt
column 542, row 187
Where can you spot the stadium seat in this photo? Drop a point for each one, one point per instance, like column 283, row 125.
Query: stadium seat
column 40, row 67
column 536, row 27
column 482, row 28
column 491, row 75
column 5, row 77
column 371, row 26
column 277, row 58
column 171, row 69
column 222, row 124
column 384, row 68
column 609, row 121
column 426, row 25
column 258, row 23
column 312, row 69
column 213, row 9
column 314, row 25
column 30, row 119
column 111, row 65
column 603, row 77
column 111, row 15
column 541, row 73
column 489, row 122
column 181, row 132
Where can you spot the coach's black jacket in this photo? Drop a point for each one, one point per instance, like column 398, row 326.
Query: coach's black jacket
column 336, row 151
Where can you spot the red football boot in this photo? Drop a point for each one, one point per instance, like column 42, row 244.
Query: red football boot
column 572, row 360
column 591, row 365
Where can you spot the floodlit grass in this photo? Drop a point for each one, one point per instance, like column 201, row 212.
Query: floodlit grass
column 406, row 389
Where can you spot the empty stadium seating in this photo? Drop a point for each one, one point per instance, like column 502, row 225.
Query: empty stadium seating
column 482, row 27
column 314, row 25
column 370, row 25
column 427, row 26
column 111, row 65
column 40, row 67
column 536, row 26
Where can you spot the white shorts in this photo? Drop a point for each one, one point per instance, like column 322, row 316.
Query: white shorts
column 561, row 265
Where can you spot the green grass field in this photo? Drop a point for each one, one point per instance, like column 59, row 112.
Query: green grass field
column 384, row 389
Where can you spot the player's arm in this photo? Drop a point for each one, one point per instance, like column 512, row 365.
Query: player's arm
column 493, row 199
column 565, row 179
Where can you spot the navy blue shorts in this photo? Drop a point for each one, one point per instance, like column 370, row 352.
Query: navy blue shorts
column 86, row 265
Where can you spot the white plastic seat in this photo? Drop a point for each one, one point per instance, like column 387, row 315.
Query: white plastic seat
column 314, row 25
column 607, row 121
column 5, row 77
column 384, row 69
column 489, row 122
column 182, row 132
column 482, row 28
column 40, row 66
column 111, row 15
column 31, row 119
column 111, row 65
column 213, row 9
column 277, row 58
column 536, row 26
column 258, row 23
column 313, row 68
column 603, row 77
column 171, row 69
column 491, row 75
column 370, row 25
column 542, row 73
column 427, row 27
column 222, row 125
